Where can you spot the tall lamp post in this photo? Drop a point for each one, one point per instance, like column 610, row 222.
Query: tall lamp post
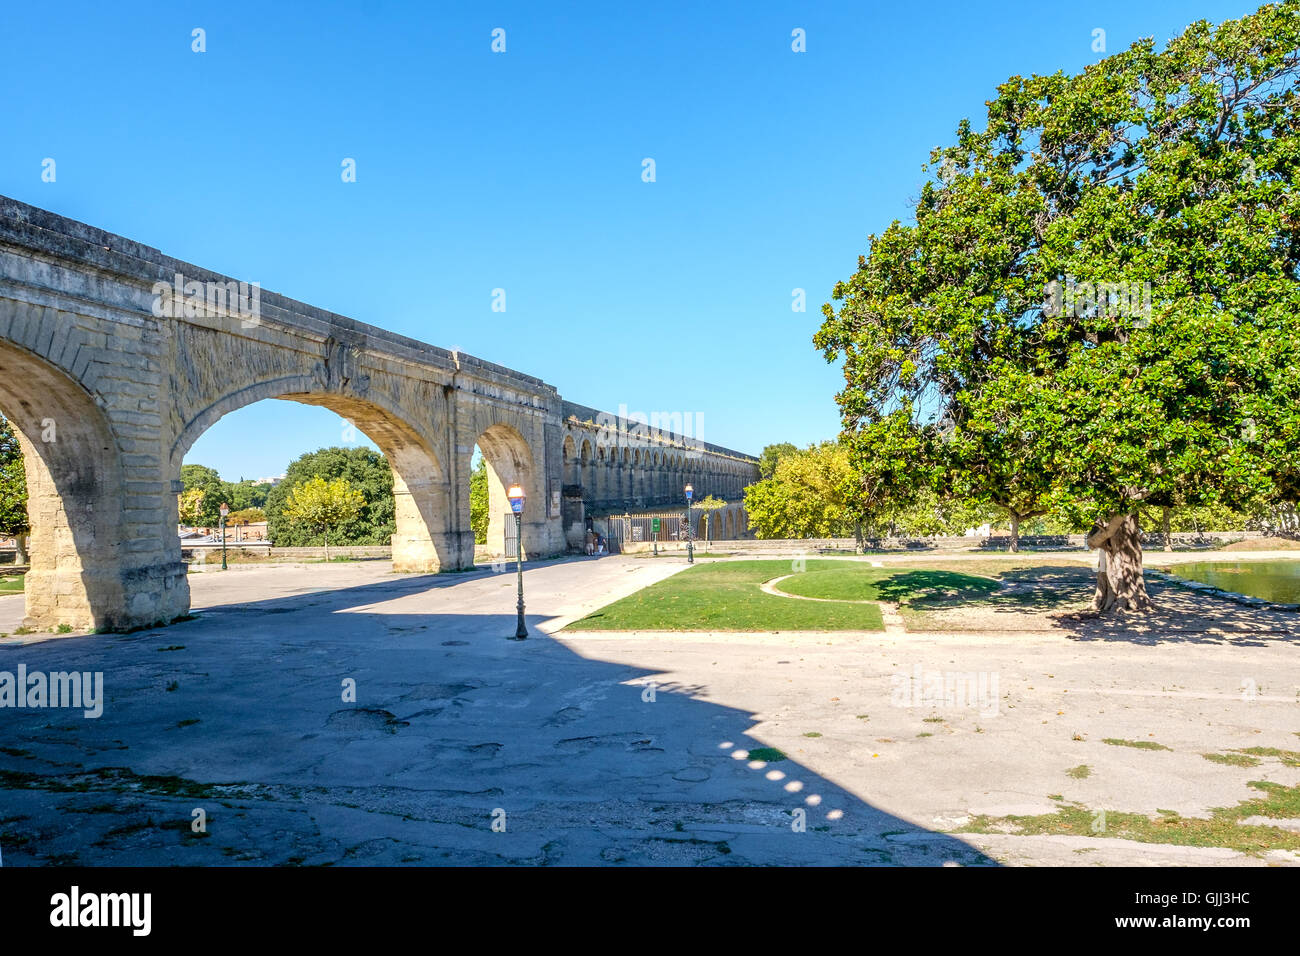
column 225, row 510
column 516, row 496
column 690, row 535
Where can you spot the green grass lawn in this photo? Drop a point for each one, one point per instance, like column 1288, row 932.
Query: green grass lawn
column 858, row 582
column 11, row 585
column 725, row 596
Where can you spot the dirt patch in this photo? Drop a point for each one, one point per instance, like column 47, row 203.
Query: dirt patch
column 1180, row 615
column 1263, row 544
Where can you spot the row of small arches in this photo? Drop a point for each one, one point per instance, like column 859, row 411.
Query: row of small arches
column 650, row 472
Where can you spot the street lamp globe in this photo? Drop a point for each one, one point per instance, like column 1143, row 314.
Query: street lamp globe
column 516, row 495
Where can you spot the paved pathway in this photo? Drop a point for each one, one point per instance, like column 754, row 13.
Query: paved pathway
column 597, row 748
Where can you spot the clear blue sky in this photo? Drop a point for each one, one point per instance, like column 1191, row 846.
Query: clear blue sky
column 522, row 171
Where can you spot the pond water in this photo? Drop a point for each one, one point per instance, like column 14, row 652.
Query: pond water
column 1277, row 581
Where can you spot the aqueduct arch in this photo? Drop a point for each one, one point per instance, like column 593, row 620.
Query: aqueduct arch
column 421, row 490
column 80, row 558
column 132, row 355
column 510, row 461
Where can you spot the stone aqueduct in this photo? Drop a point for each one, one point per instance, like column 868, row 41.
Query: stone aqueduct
column 107, row 395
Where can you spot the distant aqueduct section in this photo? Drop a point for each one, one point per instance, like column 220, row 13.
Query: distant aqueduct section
column 115, row 358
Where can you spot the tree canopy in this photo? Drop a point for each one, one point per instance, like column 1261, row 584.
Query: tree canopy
column 203, row 493
column 1096, row 304
column 810, row 495
column 13, row 484
column 365, row 470
column 321, row 507
column 771, row 455
column 478, row 501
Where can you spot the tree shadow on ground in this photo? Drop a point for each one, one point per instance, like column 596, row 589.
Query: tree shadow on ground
column 926, row 588
column 1059, row 596
column 1185, row 616
column 453, row 728
column 1017, row 589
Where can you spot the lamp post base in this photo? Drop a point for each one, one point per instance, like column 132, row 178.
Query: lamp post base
column 521, row 631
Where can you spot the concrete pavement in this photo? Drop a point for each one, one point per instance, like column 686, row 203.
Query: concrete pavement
column 589, row 748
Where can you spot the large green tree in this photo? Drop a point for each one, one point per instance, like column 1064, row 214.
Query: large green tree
column 202, row 485
column 479, row 514
column 200, row 480
column 1099, row 292
column 242, row 495
column 13, row 491
column 322, row 507
column 811, row 494
column 771, row 455
column 365, row 470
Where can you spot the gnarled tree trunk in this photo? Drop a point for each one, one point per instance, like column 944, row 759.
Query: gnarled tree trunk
column 20, row 548
column 1120, row 585
column 1015, row 532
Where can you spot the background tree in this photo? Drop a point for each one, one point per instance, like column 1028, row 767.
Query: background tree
column 211, row 493
column 13, row 492
column 242, row 495
column 1105, row 277
column 478, row 501
column 811, row 494
column 990, row 461
column 190, row 506
column 323, row 506
column 364, row 469
column 771, row 455
column 934, row 514
column 1278, row 516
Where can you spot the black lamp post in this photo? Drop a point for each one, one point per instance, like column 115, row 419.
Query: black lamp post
column 516, row 496
column 225, row 510
column 690, row 532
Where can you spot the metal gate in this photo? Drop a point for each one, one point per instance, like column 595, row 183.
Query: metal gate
column 635, row 529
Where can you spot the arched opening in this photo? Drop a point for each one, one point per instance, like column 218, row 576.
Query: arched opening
column 421, row 540
column 90, row 567
column 509, row 461
column 572, row 476
column 587, row 474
